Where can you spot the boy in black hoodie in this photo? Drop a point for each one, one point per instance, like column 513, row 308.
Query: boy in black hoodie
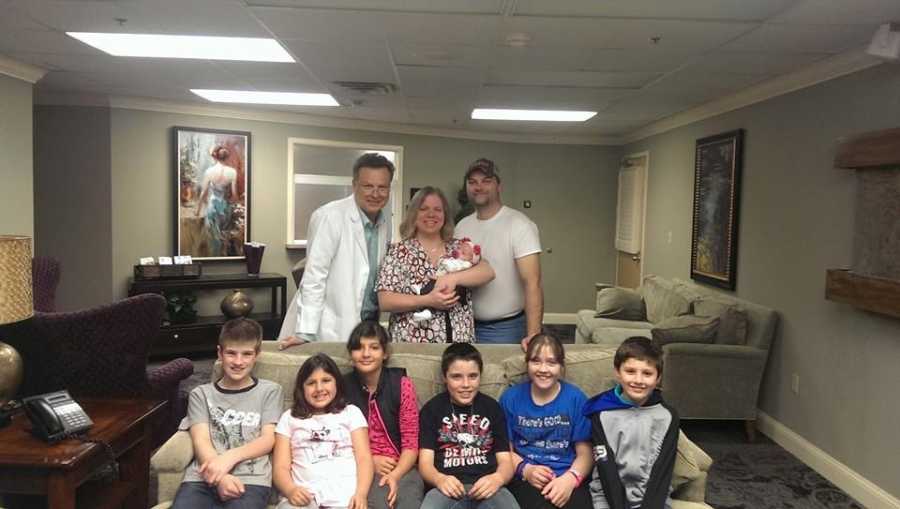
column 634, row 433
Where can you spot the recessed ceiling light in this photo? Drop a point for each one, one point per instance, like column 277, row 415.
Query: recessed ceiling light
column 535, row 115
column 254, row 97
column 251, row 49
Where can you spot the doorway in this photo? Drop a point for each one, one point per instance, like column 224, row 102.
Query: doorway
column 630, row 213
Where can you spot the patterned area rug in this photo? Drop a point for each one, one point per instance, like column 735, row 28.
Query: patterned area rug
column 760, row 475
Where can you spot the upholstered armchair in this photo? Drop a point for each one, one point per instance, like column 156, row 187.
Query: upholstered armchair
column 102, row 352
column 45, row 278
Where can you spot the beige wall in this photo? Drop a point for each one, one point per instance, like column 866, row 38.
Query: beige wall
column 16, row 180
column 572, row 189
column 72, row 201
column 797, row 215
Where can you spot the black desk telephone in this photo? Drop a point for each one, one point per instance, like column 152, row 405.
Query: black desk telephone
column 55, row 416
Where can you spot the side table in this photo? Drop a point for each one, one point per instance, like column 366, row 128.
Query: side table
column 28, row 465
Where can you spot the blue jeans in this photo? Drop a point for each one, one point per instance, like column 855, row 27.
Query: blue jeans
column 504, row 332
column 194, row 495
column 503, row 499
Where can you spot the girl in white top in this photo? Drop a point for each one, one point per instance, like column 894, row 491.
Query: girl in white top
column 321, row 456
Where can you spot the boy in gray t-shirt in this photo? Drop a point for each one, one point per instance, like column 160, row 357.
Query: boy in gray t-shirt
column 232, row 427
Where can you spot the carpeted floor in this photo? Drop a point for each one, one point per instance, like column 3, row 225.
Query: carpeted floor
column 760, row 475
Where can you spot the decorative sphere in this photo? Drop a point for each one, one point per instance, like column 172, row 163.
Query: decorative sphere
column 11, row 372
column 237, row 304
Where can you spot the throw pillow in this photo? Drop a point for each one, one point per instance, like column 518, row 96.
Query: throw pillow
column 685, row 329
column 620, row 303
column 662, row 299
column 733, row 322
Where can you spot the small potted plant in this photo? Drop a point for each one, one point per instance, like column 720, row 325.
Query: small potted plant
column 180, row 307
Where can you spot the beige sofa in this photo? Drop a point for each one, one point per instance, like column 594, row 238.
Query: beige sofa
column 589, row 366
column 716, row 380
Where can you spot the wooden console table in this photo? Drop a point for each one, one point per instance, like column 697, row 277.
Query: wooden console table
column 202, row 334
column 28, row 465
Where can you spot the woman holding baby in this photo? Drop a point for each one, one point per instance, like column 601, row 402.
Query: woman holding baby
column 423, row 278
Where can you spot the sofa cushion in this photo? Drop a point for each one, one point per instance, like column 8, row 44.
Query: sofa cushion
column 282, row 369
column 662, row 300
column 586, row 322
column 425, row 372
column 590, row 369
column 685, row 329
column 614, row 336
column 733, row 322
column 621, row 303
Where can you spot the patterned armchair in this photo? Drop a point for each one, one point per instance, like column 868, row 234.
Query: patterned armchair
column 45, row 278
column 102, row 352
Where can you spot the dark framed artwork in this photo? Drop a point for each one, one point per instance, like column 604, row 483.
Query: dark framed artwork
column 717, row 190
column 212, row 186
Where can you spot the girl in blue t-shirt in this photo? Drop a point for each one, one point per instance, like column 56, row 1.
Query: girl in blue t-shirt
column 548, row 435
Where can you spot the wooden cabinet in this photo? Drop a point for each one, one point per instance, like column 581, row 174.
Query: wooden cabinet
column 202, row 335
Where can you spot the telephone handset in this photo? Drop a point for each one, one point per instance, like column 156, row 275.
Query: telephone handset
column 55, row 416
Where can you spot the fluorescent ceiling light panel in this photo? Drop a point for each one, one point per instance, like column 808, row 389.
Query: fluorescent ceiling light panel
column 534, row 115
column 250, row 49
column 254, row 97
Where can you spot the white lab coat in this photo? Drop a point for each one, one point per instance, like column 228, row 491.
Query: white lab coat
column 329, row 299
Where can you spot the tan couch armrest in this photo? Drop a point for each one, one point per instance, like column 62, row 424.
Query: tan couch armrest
column 681, row 504
column 703, row 460
column 690, row 472
column 175, row 454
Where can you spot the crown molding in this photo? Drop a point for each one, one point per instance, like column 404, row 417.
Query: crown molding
column 283, row 117
column 21, row 70
column 56, row 98
column 833, row 67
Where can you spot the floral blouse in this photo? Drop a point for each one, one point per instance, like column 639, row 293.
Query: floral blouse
column 406, row 269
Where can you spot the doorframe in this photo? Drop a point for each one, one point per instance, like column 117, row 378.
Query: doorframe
column 645, row 154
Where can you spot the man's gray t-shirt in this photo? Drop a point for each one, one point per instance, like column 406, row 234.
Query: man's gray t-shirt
column 235, row 418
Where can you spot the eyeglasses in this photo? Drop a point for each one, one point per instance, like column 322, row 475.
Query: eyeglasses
column 369, row 189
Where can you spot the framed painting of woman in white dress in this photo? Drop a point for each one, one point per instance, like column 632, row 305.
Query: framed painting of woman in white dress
column 213, row 193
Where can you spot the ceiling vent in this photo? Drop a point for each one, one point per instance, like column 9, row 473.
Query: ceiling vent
column 367, row 87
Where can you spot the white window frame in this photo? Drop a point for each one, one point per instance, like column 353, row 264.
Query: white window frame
column 300, row 178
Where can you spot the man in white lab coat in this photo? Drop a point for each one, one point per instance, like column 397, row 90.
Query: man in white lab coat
column 348, row 238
